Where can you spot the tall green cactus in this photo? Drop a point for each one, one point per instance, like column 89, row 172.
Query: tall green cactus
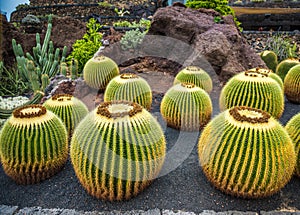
column 194, row 75
column 255, row 89
column 284, row 66
column 117, row 150
column 69, row 109
column 33, row 144
column 129, row 87
column 186, row 107
column 98, row 71
column 270, row 59
column 246, row 152
column 292, row 84
column 293, row 128
column 74, row 69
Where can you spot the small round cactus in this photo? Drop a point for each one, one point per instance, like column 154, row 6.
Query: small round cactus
column 284, row 66
column 69, row 109
column 246, row 152
column 98, row 71
column 186, row 107
column 254, row 89
column 293, row 129
column 129, row 87
column 33, row 144
column 117, row 150
column 195, row 75
column 270, row 59
column 292, row 84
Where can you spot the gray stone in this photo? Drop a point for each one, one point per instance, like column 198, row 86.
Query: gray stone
column 8, row 210
column 170, row 212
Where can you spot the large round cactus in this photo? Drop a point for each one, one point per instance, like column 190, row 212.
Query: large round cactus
column 293, row 128
column 268, row 72
column 254, row 89
column 70, row 109
column 284, row 66
column 98, row 71
column 117, row 150
column 246, row 152
column 194, row 75
column 270, row 59
column 33, row 144
column 186, row 107
column 292, row 84
column 129, row 87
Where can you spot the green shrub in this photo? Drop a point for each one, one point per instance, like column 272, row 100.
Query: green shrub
column 85, row 48
column 132, row 39
column 143, row 23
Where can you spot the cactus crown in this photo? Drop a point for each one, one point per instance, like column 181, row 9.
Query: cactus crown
column 192, row 70
column 62, row 100
column 128, row 76
column 100, row 58
column 29, row 111
column 186, row 87
column 118, row 109
column 250, row 115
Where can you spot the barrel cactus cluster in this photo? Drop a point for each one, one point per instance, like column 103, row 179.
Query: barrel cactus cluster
column 247, row 153
column 33, row 144
column 129, row 87
column 292, row 84
column 186, row 107
column 117, row 150
column 194, row 75
column 69, row 109
column 293, row 128
column 98, row 71
column 254, row 89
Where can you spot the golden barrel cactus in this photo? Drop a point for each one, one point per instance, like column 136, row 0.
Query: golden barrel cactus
column 98, row 71
column 129, row 87
column 293, row 128
column 186, row 107
column 246, row 152
column 33, row 144
column 292, row 84
column 69, row 109
column 194, row 75
column 253, row 89
column 284, row 66
column 117, row 150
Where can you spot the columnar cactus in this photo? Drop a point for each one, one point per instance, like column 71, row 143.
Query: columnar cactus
column 270, row 59
column 129, row 87
column 33, row 144
column 284, row 66
column 186, row 107
column 253, row 89
column 69, row 109
column 293, row 129
column 195, row 75
column 117, row 150
column 98, row 71
column 292, row 84
column 246, row 152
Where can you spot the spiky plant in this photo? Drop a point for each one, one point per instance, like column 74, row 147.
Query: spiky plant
column 270, row 59
column 293, row 129
column 186, row 107
column 246, row 152
column 117, row 150
column 33, row 144
column 98, row 71
column 292, row 84
column 129, row 87
column 194, row 75
column 69, row 109
column 270, row 73
column 284, row 66
column 253, row 89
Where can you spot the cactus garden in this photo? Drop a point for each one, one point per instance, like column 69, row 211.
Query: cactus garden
column 159, row 107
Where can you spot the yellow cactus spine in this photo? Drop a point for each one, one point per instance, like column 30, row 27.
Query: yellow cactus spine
column 246, row 152
column 117, row 150
column 33, row 144
column 98, row 71
column 129, row 87
column 253, row 88
column 293, row 128
column 292, row 84
column 186, row 107
column 194, row 75
column 69, row 109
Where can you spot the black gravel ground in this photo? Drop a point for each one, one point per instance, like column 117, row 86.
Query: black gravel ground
column 185, row 188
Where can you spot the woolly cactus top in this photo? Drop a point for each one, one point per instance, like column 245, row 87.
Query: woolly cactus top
column 192, row 70
column 186, row 87
column 100, row 58
column 127, row 77
column 61, row 100
column 30, row 114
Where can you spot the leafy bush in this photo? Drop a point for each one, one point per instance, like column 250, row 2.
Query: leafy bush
column 85, row 48
column 143, row 23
